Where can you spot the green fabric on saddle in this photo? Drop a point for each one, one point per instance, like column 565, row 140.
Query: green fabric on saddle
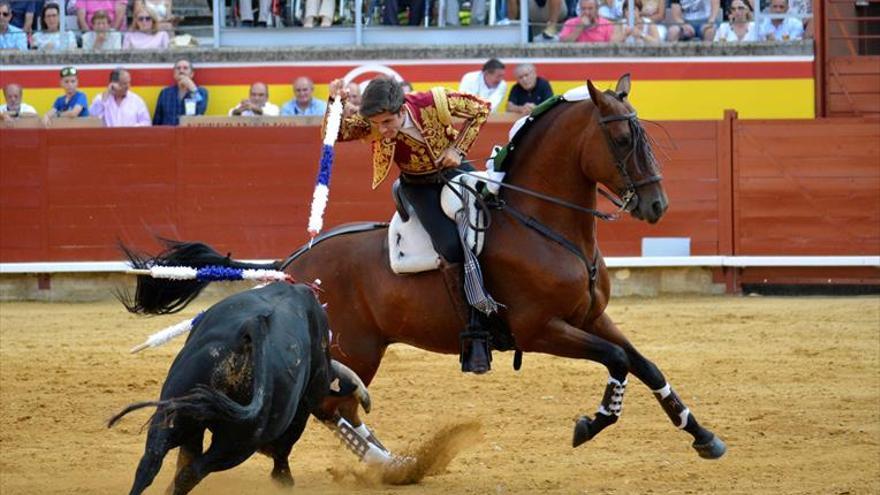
column 501, row 161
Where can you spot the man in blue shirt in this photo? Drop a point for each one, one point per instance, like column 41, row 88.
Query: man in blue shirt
column 183, row 98
column 529, row 90
column 11, row 37
column 303, row 102
column 72, row 103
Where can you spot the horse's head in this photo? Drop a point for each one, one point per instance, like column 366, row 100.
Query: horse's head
column 625, row 162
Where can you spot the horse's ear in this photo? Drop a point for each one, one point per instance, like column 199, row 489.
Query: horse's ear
column 623, row 85
column 595, row 94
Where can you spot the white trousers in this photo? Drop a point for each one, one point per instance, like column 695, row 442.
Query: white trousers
column 322, row 8
column 247, row 10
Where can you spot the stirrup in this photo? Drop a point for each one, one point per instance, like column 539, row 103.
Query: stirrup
column 475, row 353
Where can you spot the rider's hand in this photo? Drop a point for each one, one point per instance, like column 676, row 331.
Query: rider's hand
column 451, row 157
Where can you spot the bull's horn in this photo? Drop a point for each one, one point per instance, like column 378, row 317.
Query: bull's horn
column 361, row 392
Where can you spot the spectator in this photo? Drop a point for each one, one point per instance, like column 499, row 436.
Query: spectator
column 115, row 9
column 23, row 13
column 781, row 29
column 655, row 10
column 181, row 98
column 167, row 21
column 487, row 83
column 320, row 8
column 643, row 30
column 14, row 107
column 393, row 9
column 101, row 38
column 11, row 37
column 247, row 12
column 740, row 27
column 51, row 38
column 478, row 12
column 72, row 103
column 550, row 12
column 257, row 103
column 354, row 93
column 145, row 34
column 612, row 9
column 693, row 20
column 529, row 90
column 119, row 107
column 587, row 27
column 406, row 86
column 304, row 103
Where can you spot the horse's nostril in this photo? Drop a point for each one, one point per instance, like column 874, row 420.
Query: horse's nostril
column 659, row 208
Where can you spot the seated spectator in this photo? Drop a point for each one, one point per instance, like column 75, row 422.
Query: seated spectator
column 119, row 107
column 303, row 102
column 478, row 12
column 354, row 93
column 612, row 9
column 144, row 33
column 393, row 8
column 14, row 107
column 325, row 9
column 246, row 7
column 11, row 37
column 693, row 20
column 781, row 29
column 257, row 103
column 655, row 10
column 181, row 98
column 23, row 14
column 72, row 103
column 487, row 83
column 101, row 37
column 115, row 9
column 740, row 27
column 162, row 8
column 643, row 30
column 51, row 38
column 529, row 90
column 549, row 12
column 587, row 27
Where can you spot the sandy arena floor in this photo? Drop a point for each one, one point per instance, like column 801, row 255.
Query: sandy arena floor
column 791, row 384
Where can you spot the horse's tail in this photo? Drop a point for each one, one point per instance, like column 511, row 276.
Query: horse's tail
column 162, row 296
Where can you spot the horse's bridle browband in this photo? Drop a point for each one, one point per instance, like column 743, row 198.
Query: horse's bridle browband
column 625, row 203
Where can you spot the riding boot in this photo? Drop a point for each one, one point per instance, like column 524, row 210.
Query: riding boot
column 475, row 352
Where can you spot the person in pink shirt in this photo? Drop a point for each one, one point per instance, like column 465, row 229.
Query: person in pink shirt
column 145, row 33
column 118, row 107
column 587, row 27
column 115, row 9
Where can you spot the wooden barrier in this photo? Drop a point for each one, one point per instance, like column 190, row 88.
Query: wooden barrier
column 735, row 187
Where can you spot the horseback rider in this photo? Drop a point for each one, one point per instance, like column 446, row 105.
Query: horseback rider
column 416, row 132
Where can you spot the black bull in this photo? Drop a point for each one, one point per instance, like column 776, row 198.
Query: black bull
column 252, row 370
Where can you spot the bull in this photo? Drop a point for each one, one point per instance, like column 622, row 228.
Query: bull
column 253, row 369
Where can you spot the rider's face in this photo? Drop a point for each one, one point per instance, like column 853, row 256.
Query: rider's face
column 388, row 123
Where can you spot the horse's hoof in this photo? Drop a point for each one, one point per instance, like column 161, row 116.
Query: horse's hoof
column 582, row 432
column 713, row 449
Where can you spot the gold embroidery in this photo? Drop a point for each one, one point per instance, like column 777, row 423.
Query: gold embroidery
column 437, row 136
column 475, row 110
column 383, row 153
column 351, row 128
column 442, row 105
column 420, row 160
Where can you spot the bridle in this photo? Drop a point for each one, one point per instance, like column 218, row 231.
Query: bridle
column 637, row 132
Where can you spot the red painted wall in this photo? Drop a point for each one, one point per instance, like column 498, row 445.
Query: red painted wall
column 69, row 195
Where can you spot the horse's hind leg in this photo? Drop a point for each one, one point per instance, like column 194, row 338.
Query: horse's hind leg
column 562, row 339
column 706, row 443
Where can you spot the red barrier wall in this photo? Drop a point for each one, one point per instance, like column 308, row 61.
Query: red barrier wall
column 736, row 187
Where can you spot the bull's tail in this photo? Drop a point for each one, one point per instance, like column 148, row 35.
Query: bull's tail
column 204, row 403
column 162, row 296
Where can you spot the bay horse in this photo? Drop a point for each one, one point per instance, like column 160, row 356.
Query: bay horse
column 541, row 261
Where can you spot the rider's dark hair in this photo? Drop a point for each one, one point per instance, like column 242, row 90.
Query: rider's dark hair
column 492, row 64
column 383, row 94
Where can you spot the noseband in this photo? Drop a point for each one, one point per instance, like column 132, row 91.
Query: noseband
column 637, row 133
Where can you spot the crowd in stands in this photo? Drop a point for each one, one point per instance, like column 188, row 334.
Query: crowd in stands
column 151, row 24
column 119, row 106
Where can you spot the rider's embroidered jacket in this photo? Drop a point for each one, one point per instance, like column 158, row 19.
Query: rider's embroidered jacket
column 432, row 113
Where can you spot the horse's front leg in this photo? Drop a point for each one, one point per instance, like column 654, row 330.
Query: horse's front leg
column 706, row 443
column 564, row 340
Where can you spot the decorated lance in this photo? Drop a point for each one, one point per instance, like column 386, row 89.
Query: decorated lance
column 322, row 184
column 166, row 335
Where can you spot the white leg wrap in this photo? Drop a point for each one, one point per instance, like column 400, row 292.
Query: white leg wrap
column 676, row 410
column 357, row 442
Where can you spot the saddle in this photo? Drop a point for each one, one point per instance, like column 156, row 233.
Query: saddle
column 409, row 245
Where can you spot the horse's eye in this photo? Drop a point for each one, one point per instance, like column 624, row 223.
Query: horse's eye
column 623, row 141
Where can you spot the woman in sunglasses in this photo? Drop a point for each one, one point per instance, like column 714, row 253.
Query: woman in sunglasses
column 72, row 103
column 740, row 27
column 51, row 38
column 144, row 33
